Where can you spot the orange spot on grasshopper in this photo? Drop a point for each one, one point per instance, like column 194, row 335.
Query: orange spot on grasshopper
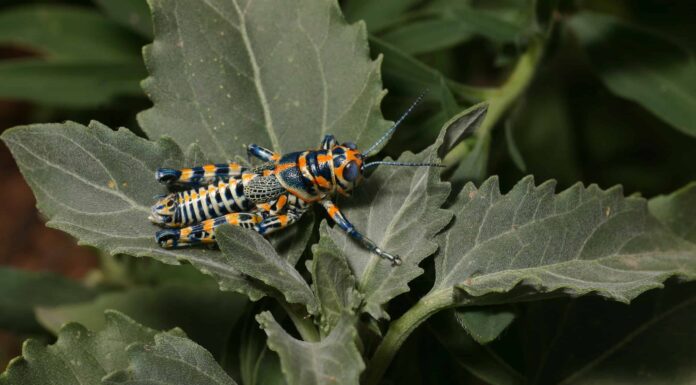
column 232, row 219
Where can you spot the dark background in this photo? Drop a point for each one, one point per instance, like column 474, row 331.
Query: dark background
column 567, row 125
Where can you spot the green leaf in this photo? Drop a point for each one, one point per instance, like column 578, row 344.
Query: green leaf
column 428, row 35
column 258, row 364
column 414, row 76
column 643, row 67
column 512, row 148
column 462, row 126
column 484, row 324
column 334, row 283
column 86, row 60
column 252, row 255
column 132, row 14
column 79, row 356
column 489, row 24
column 333, row 360
column 677, row 211
column 377, row 14
column 97, row 185
column 543, row 132
column 226, row 74
column 592, row 341
column 203, row 312
column 68, row 33
column 399, row 209
column 579, row 241
column 170, row 360
column 502, row 21
column 478, row 360
column 73, row 84
column 27, row 290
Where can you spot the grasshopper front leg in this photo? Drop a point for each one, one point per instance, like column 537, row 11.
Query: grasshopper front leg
column 340, row 219
column 262, row 153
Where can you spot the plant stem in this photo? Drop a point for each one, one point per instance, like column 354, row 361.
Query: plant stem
column 303, row 324
column 503, row 97
column 400, row 329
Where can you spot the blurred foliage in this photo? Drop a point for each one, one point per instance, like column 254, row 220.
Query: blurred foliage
column 593, row 91
column 575, row 122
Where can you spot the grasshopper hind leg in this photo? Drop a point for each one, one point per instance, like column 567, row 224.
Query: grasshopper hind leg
column 204, row 232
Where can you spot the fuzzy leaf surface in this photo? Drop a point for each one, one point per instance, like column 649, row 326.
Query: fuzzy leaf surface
column 254, row 256
column 97, row 185
column 203, row 312
column 173, row 360
column 333, row 360
column 334, row 283
column 399, row 209
column 227, row 73
column 677, row 211
column 579, row 241
column 484, row 324
column 79, row 356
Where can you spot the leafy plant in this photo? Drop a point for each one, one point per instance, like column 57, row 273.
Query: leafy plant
column 481, row 269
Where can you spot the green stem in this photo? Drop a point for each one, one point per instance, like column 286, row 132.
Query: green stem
column 302, row 322
column 500, row 99
column 400, row 329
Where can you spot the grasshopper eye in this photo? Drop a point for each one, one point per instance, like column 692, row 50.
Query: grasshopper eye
column 350, row 172
column 350, row 145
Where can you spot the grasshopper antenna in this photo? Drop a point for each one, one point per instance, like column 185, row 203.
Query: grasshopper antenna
column 374, row 164
column 393, row 128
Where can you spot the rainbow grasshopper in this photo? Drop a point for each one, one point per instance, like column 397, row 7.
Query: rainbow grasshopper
column 266, row 198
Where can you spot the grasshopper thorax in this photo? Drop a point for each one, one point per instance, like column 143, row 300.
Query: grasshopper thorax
column 312, row 175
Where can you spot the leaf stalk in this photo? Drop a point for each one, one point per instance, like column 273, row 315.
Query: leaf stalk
column 402, row 328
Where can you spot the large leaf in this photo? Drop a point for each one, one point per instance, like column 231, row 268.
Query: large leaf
column 229, row 73
column 79, row 356
column 579, row 241
column 333, row 360
column 643, row 67
column 254, row 256
column 203, row 312
column 677, row 211
column 97, row 185
column 399, row 209
column 25, row 290
column 172, row 360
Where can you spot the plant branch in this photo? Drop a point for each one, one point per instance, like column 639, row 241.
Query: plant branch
column 302, row 322
column 502, row 98
column 400, row 329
